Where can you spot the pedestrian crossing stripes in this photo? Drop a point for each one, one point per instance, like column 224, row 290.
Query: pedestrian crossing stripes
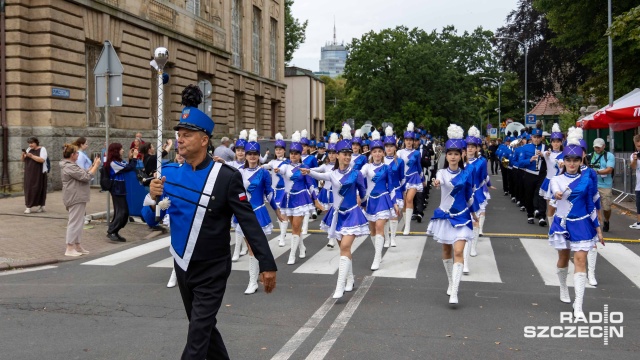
column 404, row 260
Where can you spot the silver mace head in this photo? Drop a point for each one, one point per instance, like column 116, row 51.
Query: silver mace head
column 161, row 56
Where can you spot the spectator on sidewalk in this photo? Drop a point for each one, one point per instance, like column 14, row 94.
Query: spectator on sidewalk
column 139, row 142
column 603, row 163
column 135, row 145
column 75, row 195
column 83, row 159
column 223, row 151
column 634, row 165
column 116, row 167
column 35, row 175
column 150, row 158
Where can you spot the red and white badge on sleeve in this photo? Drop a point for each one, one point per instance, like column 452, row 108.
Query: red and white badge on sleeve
column 242, row 196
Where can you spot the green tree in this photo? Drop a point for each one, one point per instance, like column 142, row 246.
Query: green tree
column 294, row 32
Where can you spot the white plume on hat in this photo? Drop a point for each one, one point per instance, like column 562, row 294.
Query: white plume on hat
column 304, row 134
column 358, row 133
column 279, row 136
column 410, row 126
column 555, row 128
column 473, row 131
column 243, row 135
column 453, row 132
column 253, row 135
column 514, row 143
column 375, row 135
column 346, row 132
column 295, row 137
column 574, row 136
column 333, row 139
column 388, row 131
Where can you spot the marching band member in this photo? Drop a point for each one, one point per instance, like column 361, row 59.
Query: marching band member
column 257, row 182
column 451, row 222
column 325, row 198
column 530, row 160
column 575, row 225
column 297, row 201
column 380, row 196
column 357, row 159
column 503, row 153
column 345, row 220
column 277, row 181
column 413, row 173
column 311, row 162
column 240, row 248
column 396, row 166
column 550, row 157
column 239, row 150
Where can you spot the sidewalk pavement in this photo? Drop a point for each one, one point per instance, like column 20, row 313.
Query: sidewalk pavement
column 39, row 238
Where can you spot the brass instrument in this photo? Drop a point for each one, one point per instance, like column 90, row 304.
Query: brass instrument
column 505, row 161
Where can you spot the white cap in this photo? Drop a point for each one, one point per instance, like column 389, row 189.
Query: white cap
column 599, row 142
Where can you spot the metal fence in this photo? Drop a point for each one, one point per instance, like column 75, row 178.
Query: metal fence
column 624, row 180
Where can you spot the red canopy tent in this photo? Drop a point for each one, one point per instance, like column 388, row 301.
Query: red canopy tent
column 590, row 122
column 624, row 114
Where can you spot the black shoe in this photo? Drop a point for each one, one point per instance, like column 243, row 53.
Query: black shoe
column 121, row 238
column 115, row 237
column 522, row 208
column 319, row 212
column 605, row 228
column 536, row 214
column 419, row 218
column 506, row 193
column 542, row 222
column 314, row 216
column 513, row 199
column 530, row 220
column 131, row 219
column 518, row 203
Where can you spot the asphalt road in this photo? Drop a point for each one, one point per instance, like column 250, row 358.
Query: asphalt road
column 119, row 308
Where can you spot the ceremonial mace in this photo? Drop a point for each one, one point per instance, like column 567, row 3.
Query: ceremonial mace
column 161, row 56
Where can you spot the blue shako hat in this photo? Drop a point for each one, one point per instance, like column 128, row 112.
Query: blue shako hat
column 375, row 141
column 333, row 140
column 295, row 142
column 555, row 132
column 320, row 145
column 574, row 143
column 456, row 141
column 389, row 139
column 312, row 143
column 366, row 142
column 303, row 137
column 242, row 140
column 194, row 119
column 357, row 137
column 253, row 145
column 536, row 132
column 280, row 141
column 409, row 134
column 345, row 143
column 474, row 136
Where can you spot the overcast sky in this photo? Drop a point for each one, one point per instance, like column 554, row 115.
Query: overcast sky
column 356, row 17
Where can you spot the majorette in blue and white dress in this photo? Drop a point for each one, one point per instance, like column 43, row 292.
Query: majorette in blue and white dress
column 576, row 217
column 325, row 197
column 299, row 191
column 257, row 181
column 235, row 164
column 552, row 170
column 380, row 194
column 480, row 179
column 310, row 161
column 585, row 171
column 412, row 169
column 358, row 161
column 396, row 167
column 345, row 216
column 277, row 180
column 451, row 221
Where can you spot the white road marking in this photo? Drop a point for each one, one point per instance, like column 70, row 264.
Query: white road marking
column 129, row 254
column 623, row 259
column 483, row 268
column 14, row 272
column 326, row 260
column 243, row 263
column 322, row 348
column 301, row 335
column 544, row 257
column 402, row 261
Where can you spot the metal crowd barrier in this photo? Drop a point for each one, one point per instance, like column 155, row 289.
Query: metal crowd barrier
column 624, row 179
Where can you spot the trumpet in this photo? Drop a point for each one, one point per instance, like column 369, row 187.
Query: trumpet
column 505, row 161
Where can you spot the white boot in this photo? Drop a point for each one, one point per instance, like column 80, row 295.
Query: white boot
column 592, row 256
column 386, row 235
column 236, row 249
column 294, row 247
column 303, row 249
column 579, row 283
column 244, row 249
column 394, row 228
column 331, row 243
column 305, row 224
column 480, row 230
column 467, row 250
column 564, row 289
column 343, row 270
column 283, row 232
column 254, row 271
column 407, row 221
column 448, row 266
column 350, row 279
column 172, row 279
column 474, row 242
column 379, row 241
column 456, row 273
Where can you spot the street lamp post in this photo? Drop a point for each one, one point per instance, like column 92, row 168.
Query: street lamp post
column 525, row 69
column 498, row 82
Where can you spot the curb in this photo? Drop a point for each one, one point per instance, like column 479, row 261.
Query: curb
column 27, row 264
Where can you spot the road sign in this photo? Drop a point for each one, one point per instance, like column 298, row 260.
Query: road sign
column 108, row 74
column 530, row 120
column 493, row 133
column 108, row 61
column 489, row 126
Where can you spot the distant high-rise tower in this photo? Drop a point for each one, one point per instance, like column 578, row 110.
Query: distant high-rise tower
column 333, row 56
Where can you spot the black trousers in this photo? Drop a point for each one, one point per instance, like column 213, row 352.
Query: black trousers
column 418, row 203
column 120, row 213
column 513, row 183
column 505, row 179
column 532, row 185
column 202, row 288
column 494, row 165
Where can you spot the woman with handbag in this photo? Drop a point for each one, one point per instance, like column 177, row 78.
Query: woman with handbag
column 75, row 195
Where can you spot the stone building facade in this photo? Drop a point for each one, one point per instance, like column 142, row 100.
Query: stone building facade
column 233, row 48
